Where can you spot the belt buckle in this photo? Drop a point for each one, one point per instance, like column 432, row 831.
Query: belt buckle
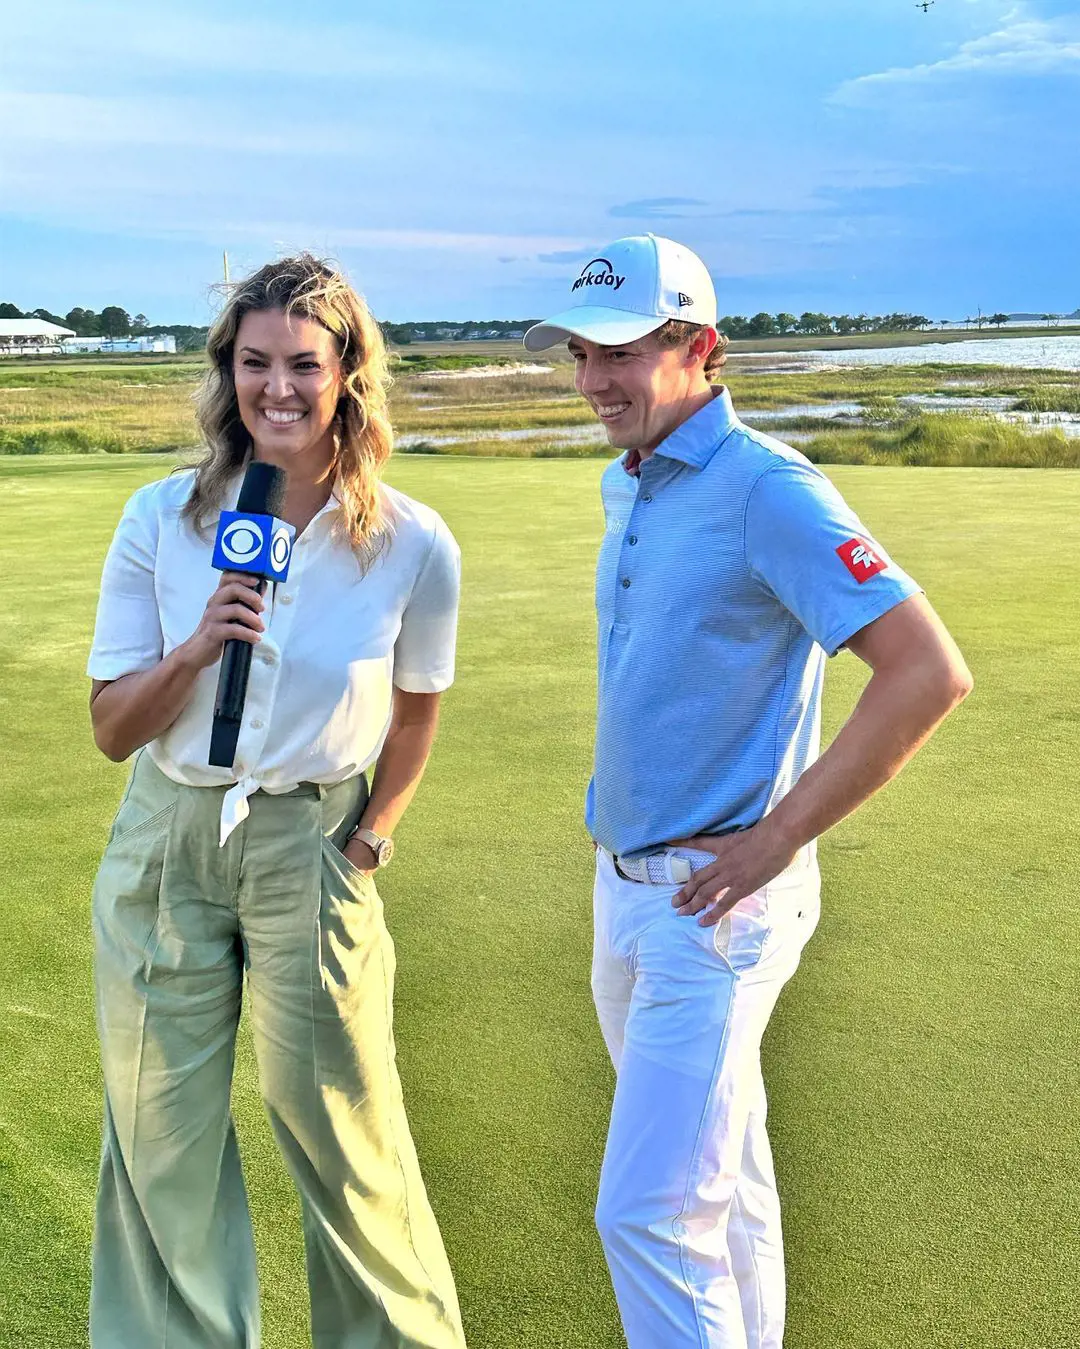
column 680, row 869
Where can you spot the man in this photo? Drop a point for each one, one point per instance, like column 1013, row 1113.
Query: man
column 730, row 568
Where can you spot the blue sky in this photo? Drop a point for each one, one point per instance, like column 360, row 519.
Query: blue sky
column 843, row 155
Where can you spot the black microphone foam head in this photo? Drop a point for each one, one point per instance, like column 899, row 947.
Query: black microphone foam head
column 263, row 490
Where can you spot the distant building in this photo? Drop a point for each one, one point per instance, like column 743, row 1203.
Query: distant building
column 35, row 337
column 153, row 342
column 32, row 337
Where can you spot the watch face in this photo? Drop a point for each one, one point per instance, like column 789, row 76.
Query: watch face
column 384, row 851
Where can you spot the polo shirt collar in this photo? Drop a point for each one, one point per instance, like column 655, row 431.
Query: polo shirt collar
column 698, row 438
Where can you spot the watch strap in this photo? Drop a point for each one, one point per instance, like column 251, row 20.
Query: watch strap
column 382, row 847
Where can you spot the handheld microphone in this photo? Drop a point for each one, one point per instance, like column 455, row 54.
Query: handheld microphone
column 254, row 541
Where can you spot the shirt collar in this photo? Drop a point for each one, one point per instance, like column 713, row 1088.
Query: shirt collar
column 698, row 438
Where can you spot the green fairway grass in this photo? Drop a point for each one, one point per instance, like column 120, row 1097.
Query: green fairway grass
column 921, row 1066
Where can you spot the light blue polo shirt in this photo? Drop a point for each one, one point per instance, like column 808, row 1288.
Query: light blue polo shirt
column 729, row 568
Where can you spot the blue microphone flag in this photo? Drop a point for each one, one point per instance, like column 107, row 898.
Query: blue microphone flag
column 255, row 544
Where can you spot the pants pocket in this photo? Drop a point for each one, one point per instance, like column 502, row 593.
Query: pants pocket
column 148, row 801
column 127, row 889
column 740, row 936
column 361, row 884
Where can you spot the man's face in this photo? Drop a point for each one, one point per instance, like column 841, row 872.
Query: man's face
column 640, row 391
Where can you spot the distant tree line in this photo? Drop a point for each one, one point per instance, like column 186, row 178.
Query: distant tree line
column 440, row 330
column 112, row 321
column 819, row 325
column 734, row 326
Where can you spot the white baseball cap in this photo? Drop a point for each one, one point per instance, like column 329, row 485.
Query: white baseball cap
column 631, row 288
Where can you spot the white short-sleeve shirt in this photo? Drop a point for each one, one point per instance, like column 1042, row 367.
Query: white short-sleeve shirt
column 338, row 639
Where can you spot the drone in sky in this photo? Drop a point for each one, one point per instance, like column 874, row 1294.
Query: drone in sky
column 924, row 5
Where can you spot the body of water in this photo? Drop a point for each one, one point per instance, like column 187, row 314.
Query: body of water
column 1033, row 353
column 824, row 410
column 1000, row 406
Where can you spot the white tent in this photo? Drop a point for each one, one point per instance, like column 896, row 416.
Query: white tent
column 32, row 337
column 34, row 330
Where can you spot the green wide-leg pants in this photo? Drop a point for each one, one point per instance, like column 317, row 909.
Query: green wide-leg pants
column 177, row 921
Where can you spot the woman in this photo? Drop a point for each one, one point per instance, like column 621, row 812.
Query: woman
column 269, row 868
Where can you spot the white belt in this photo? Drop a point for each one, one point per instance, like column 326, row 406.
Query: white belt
column 668, row 866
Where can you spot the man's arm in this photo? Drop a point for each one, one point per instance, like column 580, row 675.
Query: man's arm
column 919, row 676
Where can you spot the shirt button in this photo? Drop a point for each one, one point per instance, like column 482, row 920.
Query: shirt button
column 632, row 540
column 626, row 582
column 257, row 725
column 267, row 657
column 286, row 599
column 646, row 497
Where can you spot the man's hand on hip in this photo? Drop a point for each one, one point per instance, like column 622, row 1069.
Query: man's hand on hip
column 745, row 861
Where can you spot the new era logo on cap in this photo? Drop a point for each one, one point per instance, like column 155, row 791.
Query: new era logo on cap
column 629, row 289
column 860, row 559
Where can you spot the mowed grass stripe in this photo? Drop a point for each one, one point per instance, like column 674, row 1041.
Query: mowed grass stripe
column 921, row 1064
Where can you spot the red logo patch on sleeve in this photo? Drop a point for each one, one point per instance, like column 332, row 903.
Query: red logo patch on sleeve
column 860, row 559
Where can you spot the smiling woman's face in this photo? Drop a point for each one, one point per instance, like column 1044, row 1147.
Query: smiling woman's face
column 288, row 382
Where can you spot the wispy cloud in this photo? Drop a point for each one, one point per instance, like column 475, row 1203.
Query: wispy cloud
column 655, row 208
column 561, row 255
column 1025, row 47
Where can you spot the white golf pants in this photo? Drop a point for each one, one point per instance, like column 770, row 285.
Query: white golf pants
column 688, row 1211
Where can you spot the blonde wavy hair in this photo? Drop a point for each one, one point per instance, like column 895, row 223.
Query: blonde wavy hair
column 313, row 289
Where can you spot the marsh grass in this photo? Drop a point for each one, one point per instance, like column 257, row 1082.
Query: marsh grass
column 508, row 449
column 947, row 440
column 99, row 376
column 776, row 389
column 494, row 389
column 1051, row 398
column 96, row 410
column 406, row 361
column 480, row 417
column 120, row 408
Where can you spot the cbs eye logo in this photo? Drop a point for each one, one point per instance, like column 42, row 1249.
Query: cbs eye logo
column 280, row 548
column 242, row 542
